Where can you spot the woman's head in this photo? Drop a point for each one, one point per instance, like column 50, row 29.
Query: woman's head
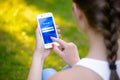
column 96, row 12
column 102, row 16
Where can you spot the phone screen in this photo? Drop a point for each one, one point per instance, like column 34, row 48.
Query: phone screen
column 48, row 29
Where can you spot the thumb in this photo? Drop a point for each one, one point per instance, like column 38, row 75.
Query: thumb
column 38, row 35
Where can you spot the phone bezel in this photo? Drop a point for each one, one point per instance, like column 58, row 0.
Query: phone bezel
column 46, row 15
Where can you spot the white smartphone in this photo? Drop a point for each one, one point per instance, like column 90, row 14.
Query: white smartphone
column 47, row 27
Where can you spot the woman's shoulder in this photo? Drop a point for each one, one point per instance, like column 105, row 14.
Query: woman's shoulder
column 75, row 73
column 100, row 67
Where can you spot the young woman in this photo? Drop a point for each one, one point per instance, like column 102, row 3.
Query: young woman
column 100, row 21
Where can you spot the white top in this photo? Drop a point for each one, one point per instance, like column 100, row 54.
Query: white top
column 118, row 67
column 98, row 66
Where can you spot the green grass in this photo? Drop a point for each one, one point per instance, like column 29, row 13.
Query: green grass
column 17, row 34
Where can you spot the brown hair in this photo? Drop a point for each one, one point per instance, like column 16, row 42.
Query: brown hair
column 104, row 16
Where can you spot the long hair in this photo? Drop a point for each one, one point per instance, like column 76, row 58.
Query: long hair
column 104, row 16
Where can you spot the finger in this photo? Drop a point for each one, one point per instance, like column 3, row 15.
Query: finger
column 57, row 26
column 61, row 42
column 59, row 35
column 58, row 51
column 37, row 32
column 58, row 30
column 61, row 48
column 38, row 35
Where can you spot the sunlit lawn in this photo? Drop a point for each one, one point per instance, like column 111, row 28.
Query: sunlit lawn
column 17, row 34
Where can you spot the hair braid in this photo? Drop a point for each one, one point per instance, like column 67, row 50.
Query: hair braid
column 104, row 16
column 114, row 23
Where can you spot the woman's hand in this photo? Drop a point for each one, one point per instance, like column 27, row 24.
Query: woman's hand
column 40, row 50
column 67, row 51
column 39, row 56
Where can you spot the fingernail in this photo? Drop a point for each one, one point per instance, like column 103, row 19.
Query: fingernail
column 52, row 37
column 53, row 46
column 36, row 26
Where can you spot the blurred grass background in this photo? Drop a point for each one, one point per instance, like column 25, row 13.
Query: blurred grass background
column 17, row 34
